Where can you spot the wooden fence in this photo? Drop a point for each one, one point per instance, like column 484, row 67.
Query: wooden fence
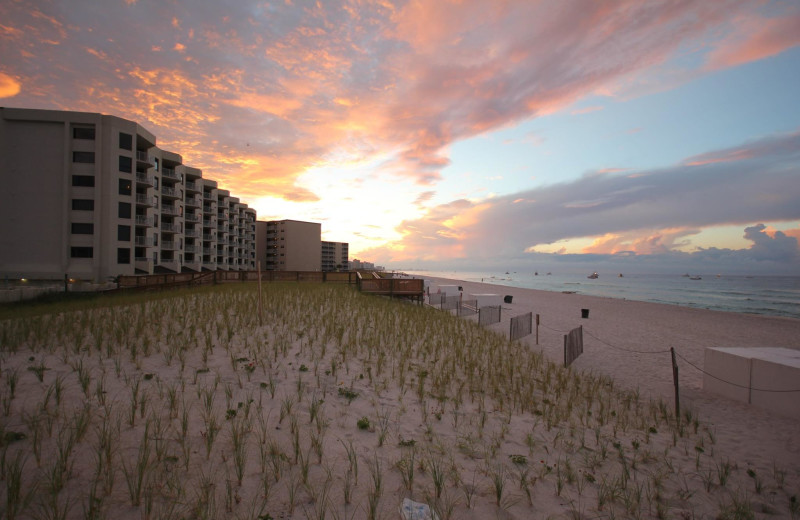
column 165, row 281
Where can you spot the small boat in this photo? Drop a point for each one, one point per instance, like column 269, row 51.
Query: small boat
column 620, row 275
column 695, row 278
column 686, row 275
column 536, row 273
column 592, row 276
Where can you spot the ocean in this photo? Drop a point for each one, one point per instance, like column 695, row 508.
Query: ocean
column 770, row 295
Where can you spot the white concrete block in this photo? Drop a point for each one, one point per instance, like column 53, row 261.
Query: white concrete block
column 759, row 376
column 486, row 300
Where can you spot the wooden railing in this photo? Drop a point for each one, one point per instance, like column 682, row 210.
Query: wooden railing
column 165, row 281
column 406, row 287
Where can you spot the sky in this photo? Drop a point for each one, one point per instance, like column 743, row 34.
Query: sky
column 658, row 136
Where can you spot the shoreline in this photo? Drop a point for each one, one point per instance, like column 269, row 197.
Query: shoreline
column 616, row 326
column 728, row 294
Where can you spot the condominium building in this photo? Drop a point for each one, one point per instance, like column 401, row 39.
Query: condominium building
column 289, row 245
column 335, row 256
column 91, row 196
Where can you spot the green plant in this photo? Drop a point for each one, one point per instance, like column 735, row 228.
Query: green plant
column 363, row 423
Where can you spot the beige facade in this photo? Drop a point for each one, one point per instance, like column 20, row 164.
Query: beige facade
column 289, row 245
column 91, row 196
column 335, row 256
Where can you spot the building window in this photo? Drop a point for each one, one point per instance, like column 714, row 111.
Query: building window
column 124, row 210
column 83, row 157
column 125, row 141
column 81, row 252
column 123, row 255
column 83, row 132
column 83, row 180
column 156, row 161
column 124, row 187
column 125, row 164
column 124, row 233
column 83, row 204
column 82, row 228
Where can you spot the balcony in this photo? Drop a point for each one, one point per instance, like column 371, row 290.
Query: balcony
column 171, row 228
column 145, row 159
column 192, row 217
column 142, row 220
column 169, row 173
column 194, row 202
column 171, row 193
column 209, row 209
column 207, row 251
column 208, row 238
column 193, row 187
column 144, row 241
column 145, row 179
column 191, row 249
column 170, row 210
column 209, row 196
column 192, row 233
column 222, row 215
column 168, row 245
column 207, row 222
column 144, row 200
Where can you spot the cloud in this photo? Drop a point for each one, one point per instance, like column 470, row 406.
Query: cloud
column 778, row 246
column 258, row 93
column 652, row 212
column 755, row 38
column 9, row 87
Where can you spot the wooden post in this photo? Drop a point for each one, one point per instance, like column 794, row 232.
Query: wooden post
column 259, row 293
column 537, row 329
column 677, row 392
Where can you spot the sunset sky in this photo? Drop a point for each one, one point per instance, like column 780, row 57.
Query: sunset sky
column 655, row 136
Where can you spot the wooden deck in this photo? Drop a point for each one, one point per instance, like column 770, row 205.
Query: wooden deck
column 411, row 288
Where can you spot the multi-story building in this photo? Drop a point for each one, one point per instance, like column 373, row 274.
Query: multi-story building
column 335, row 256
column 289, row 245
column 91, row 196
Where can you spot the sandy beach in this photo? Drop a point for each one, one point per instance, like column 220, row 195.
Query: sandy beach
column 648, row 327
column 332, row 404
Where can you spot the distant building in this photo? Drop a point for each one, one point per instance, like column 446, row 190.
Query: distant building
column 91, row 196
column 358, row 265
column 335, row 256
column 289, row 245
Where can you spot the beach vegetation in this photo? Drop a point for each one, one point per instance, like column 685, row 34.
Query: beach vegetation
column 127, row 389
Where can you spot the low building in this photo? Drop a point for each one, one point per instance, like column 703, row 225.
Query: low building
column 91, row 196
column 335, row 256
column 289, row 245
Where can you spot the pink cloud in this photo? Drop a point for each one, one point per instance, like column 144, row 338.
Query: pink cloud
column 755, row 38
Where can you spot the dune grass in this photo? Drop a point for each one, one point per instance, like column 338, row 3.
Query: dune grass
column 179, row 405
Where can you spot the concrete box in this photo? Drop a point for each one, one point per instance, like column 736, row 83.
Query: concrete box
column 486, row 300
column 449, row 290
column 760, row 376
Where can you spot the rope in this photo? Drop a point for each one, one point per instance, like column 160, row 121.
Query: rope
column 729, row 382
column 625, row 349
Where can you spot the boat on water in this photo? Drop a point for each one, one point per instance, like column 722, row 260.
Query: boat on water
column 620, row 275
column 695, row 278
column 593, row 276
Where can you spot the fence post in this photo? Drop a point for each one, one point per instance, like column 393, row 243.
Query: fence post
column 537, row 329
column 259, row 292
column 677, row 392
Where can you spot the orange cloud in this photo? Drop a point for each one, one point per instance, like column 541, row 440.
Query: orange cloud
column 9, row 87
column 756, row 38
column 643, row 242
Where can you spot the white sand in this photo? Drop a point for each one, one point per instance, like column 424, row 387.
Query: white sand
column 751, row 434
column 667, row 476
